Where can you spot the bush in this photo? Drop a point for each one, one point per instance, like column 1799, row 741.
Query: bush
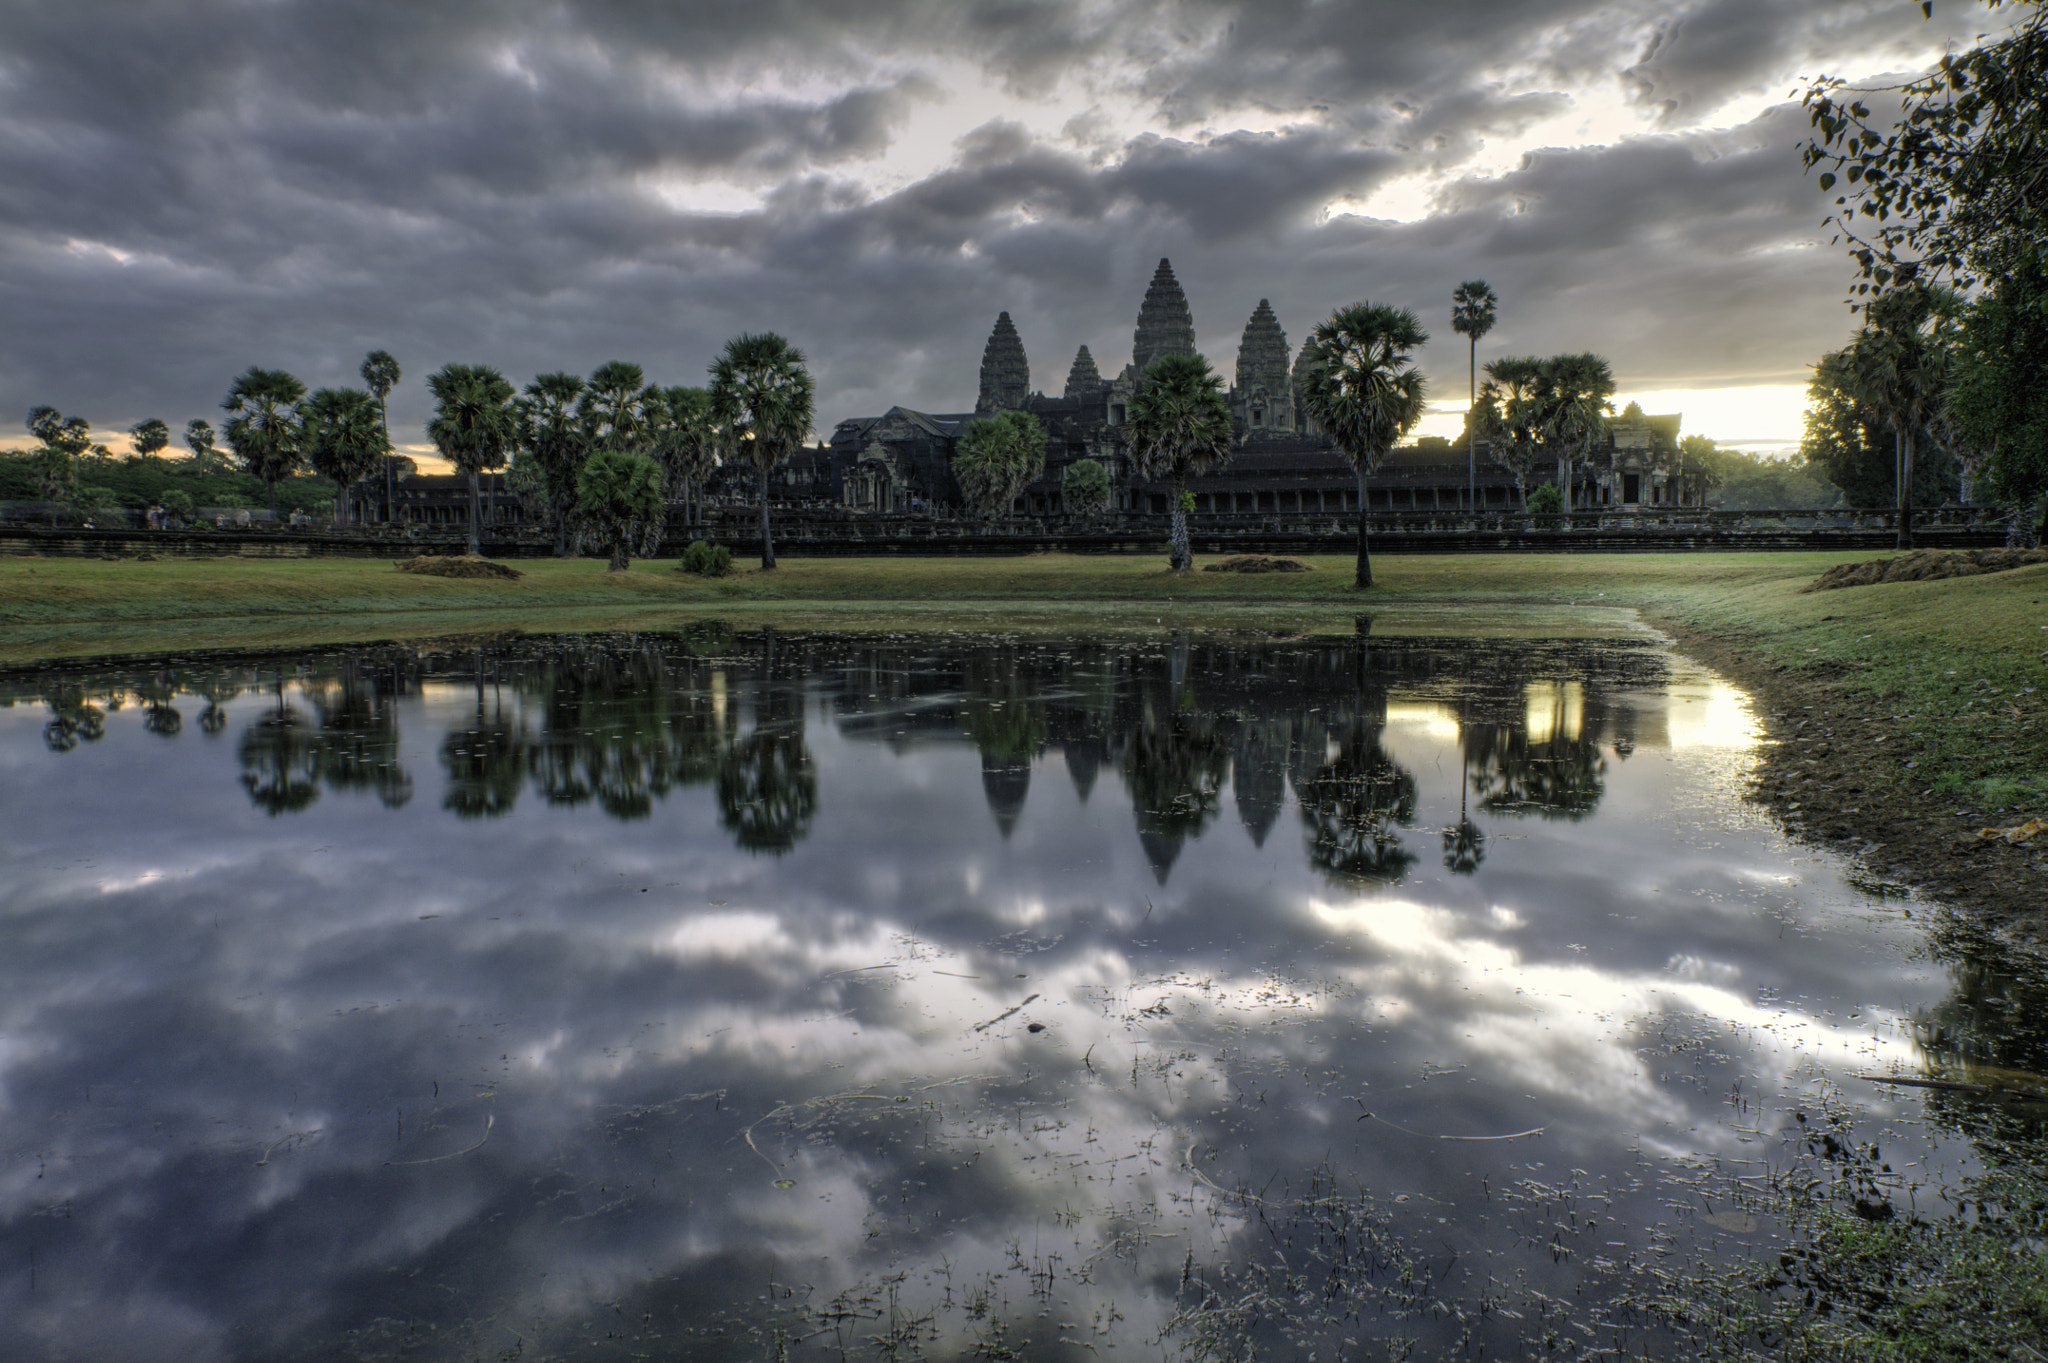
column 707, row 560
column 1084, row 487
column 1546, row 500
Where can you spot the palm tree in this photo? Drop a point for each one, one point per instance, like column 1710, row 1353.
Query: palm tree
column 614, row 489
column 613, row 407
column 1509, row 417
column 1576, row 393
column 264, row 428
column 1472, row 309
column 1364, row 391
column 1897, row 366
column 1179, row 426
column 380, row 372
column 761, row 397
column 551, row 431
column 148, row 437
column 997, row 458
column 199, row 439
column 683, row 440
column 474, row 427
column 343, row 437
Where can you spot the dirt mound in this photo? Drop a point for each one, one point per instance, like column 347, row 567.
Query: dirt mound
column 1259, row 563
column 1926, row 565
column 456, row 565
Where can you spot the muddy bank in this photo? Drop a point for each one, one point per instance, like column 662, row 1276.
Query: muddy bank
column 1839, row 774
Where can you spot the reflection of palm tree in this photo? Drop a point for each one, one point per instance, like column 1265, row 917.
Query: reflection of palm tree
column 1561, row 778
column 280, row 757
column 217, row 690
column 620, row 729
column 1174, row 771
column 359, row 741
column 74, row 719
column 767, row 783
column 156, row 693
column 768, row 790
column 486, row 763
column 1464, row 847
column 1350, row 808
column 1464, row 844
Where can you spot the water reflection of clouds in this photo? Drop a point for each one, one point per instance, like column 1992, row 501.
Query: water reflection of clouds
column 619, row 1005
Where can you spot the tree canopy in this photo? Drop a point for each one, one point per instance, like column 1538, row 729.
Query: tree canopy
column 614, row 489
column 1179, row 426
column 475, row 426
column 1363, row 389
column 344, row 438
column 761, row 398
column 263, row 425
column 997, row 458
column 1955, row 186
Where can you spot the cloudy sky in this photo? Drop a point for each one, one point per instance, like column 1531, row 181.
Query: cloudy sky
column 189, row 187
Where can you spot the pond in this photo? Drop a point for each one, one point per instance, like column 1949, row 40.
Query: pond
column 761, row 995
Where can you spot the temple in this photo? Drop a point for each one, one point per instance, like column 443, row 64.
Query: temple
column 901, row 461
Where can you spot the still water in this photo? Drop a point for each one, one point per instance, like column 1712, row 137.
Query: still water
column 720, row 995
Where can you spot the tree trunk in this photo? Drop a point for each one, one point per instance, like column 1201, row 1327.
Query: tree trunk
column 1181, row 556
column 767, row 544
column 619, row 538
column 1363, row 578
column 341, row 506
column 476, row 546
column 1903, row 435
column 273, row 501
column 1472, row 431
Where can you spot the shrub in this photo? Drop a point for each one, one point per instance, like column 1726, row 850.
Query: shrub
column 707, row 560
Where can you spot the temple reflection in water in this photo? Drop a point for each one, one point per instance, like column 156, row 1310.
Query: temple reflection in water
column 623, row 722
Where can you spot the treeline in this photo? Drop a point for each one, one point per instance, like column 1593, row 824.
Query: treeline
column 598, row 458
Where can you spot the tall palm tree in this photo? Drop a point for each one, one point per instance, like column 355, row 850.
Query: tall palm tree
column 1472, row 310
column 263, row 429
column 1364, row 390
column 149, row 437
column 614, row 406
column 761, row 398
column 683, row 440
column 380, row 373
column 1510, row 417
column 1898, row 366
column 1179, row 426
column 344, row 438
column 474, row 427
column 1577, row 389
column 551, row 430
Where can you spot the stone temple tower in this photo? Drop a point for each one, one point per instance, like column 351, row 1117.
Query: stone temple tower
column 1265, row 390
column 1082, row 380
column 1005, row 374
column 1302, row 420
column 1165, row 326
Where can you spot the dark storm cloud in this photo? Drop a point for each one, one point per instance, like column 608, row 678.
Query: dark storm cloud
column 194, row 186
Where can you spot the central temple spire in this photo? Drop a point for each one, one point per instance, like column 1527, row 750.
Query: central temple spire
column 1165, row 326
column 1005, row 374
